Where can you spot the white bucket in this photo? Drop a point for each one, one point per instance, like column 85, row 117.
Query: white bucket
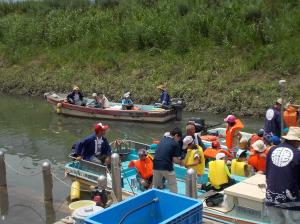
column 81, row 213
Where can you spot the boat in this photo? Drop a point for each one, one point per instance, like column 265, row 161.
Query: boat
column 141, row 113
column 246, row 209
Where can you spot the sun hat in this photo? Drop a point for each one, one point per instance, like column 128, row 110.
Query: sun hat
column 215, row 144
column 276, row 140
column 94, row 94
column 142, row 152
column 230, row 118
column 186, row 141
column 279, row 101
column 240, row 152
column 261, row 132
column 100, row 127
column 259, row 146
column 75, row 88
column 161, row 87
column 220, row 155
column 293, row 134
column 127, row 94
column 167, row 134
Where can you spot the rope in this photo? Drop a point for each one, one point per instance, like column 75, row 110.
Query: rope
column 20, row 173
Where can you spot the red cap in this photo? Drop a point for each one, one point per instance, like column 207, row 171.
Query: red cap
column 100, row 127
column 215, row 144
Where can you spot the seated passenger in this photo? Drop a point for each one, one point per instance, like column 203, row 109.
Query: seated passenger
column 144, row 168
column 103, row 101
column 95, row 102
column 210, row 153
column 258, row 136
column 194, row 156
column 239, row 166
column 76, row 97
column 164, row 99
column 257, row 158
column 127, row 103
column 244, row 144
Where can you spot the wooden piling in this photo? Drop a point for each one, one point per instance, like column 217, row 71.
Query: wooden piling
column 48, row 182
column 2, row 170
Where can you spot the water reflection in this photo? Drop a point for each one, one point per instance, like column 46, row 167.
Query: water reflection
column 4, row 204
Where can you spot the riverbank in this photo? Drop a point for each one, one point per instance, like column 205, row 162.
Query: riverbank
column 220, row 56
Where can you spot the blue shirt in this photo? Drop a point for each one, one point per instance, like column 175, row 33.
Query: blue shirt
column 164, row 98
column 127, row 102
column 283, row 177
column 273, row 122
column 87, row 147
column 166, row 150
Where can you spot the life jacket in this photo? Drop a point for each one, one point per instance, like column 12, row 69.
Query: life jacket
column 143, row 167
column 258, row 161
column 254, row 138
column 211, row 153
column 231, row 131
column 217, row 173
column 238, row 168
column 209, row 138
column 290, row 116
column 190, row 159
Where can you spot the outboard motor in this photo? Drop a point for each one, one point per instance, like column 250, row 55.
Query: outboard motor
column 178, row 104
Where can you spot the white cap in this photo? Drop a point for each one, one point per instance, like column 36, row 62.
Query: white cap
column 167, row 134
column 94, row 94
column 220, row 155
column 186, row 141
column 127, row 94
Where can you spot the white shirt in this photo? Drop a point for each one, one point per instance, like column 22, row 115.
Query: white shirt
column 98, row 143
column 104, row 102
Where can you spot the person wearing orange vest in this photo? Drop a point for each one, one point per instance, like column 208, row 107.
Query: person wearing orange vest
column 257, row 158
column 233, row 135
column 210, row 153
column 258, row 136
column 144, row 168
column 290, row 115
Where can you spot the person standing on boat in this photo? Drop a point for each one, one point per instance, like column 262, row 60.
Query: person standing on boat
column 233, row 135
column 95, row 148
column 167, row 153
column 283, row 180
column 76, row 97
column 127, row 103
column 164, row 96
column 273, row 119
column 191, row 131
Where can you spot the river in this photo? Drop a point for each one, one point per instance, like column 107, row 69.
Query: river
column 30, row 134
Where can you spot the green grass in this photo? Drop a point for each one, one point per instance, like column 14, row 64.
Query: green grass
column 221, row 56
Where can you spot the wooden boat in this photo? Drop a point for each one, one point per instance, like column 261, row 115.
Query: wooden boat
column 245, row 210
column 142, row 113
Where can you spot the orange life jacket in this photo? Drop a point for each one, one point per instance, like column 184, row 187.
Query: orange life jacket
column 211, row 153
column 209, row 138
column 258, row 161
column 254, row 138
column 143, row 167
column 290, row 117
column 230, row 132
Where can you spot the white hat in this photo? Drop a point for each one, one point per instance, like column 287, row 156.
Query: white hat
column 259, row 146
column 94, row 94
column 279, row 101
column 220, row 155
column 293, row 134
column 127, row 94
column 186, row 141
column 239, row 153
column 167, row 134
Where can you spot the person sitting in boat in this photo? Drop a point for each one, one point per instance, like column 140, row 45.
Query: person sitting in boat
column 211, row 152
column 95, row 148
column 257, row 158
column 103, row 101
column 239, row 166
column 191, row 131
column 95, row 102
column 164, row 99
column 218, row 172
column 76, row 97
column 244, row 144
column 127, row 103
column 233, row 135
column 144, row 168
column 194, row 157
column 258, row 136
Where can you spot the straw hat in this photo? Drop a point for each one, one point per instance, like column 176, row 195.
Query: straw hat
column 75, row 88
column 293, row 134
column 279, row 101
column 127, row 94
column 161, row 87
column 259, row 146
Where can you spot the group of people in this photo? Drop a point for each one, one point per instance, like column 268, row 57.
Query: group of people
column 76, row 97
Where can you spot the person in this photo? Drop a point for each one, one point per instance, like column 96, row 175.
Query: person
column 211, row 152
column 244, row 143
column 194, row 158
column 257, row 158
column 76, row 97
column 95, row 101
column 164, row 96
column 283, row 180
column 167, row 153
column 291, row 115
column 239, row 166
column 218, row 172
column 95, row 148
column 127, row 103
column 258, row 136
column 103, row 101
column 233, row 136
column 191, row 131
column 273, row 119
column 144, row 168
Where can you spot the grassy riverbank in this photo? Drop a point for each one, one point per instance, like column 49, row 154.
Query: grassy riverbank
column 221, row 56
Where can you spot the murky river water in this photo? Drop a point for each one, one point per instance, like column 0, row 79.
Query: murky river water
column 30, row 133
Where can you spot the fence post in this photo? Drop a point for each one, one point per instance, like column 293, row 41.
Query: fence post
column 116, row 176
column 2, row 170
column 48, row 182
column 191, row 183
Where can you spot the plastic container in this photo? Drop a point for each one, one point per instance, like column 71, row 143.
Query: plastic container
column 81, row 213
column 80, row 204
column 151, row 207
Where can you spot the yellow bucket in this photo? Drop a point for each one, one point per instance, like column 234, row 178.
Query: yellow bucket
column 78, row 204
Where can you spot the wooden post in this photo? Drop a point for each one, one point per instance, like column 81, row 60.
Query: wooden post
column 2, row 170
column 4, row 205
column 48, row 182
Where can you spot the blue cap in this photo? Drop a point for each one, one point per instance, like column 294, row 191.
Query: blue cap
column 285, row 130
column 276, row 140
column 268, row 138
column 261, row 132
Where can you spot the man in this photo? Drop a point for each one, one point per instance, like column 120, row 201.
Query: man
column 127, row 103
column 273, row 119
column 191, row 131
column 95, row 148
column 283, row 177
column 94, row 102
column 76, row 97
column 167, row 153
column 164, row 96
